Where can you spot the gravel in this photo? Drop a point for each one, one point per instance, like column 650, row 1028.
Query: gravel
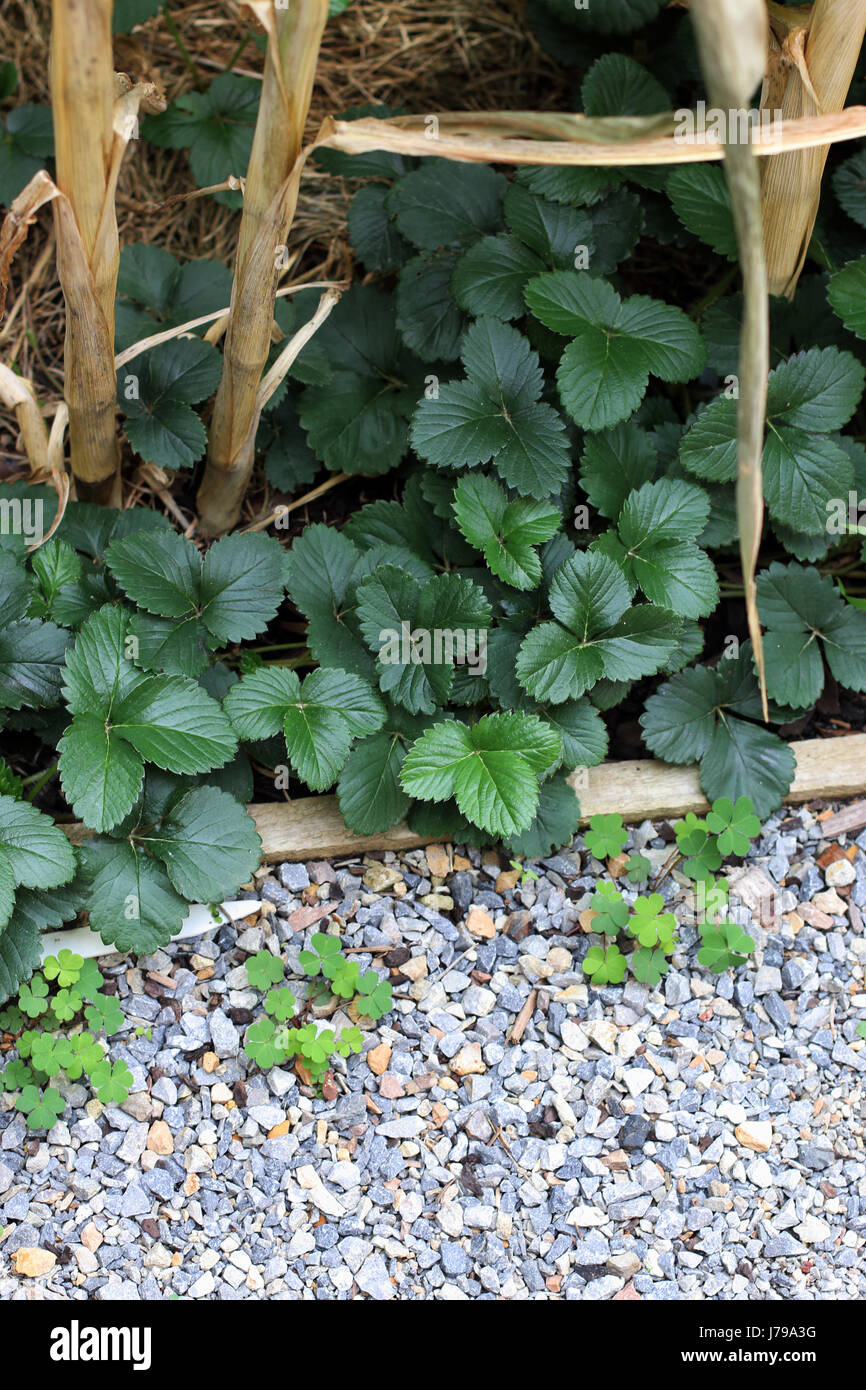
column 702, row 1140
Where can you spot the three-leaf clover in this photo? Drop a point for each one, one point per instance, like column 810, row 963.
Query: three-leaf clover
column 611, row 912
column 104, row 1013
column 648, row 965
column 42, row 1108
column 33, row 997
column 345, row 982
column 324, row 958
column 606, row 836
column 65, row 967
column 374, row 995
column 350, row 1040
column 15, row 1074
column 725, row 946
column 280, row 1003
column 638, row 868
column 112, row 1081
column 735, row 824
column 264, row 970
column 66, row 1004
column 605, row 965
column 651, row 925
column 698, row 847
column 263, row 1044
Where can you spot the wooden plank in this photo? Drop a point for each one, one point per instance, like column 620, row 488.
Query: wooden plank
column 312, row 827
column 844, row 821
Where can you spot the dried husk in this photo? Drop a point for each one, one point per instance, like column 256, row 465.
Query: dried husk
column 95, row 117
column 270, row 198
column 813, row 54
column 732, row 46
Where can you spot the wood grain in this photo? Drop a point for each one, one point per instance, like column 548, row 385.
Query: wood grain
column 312, row 827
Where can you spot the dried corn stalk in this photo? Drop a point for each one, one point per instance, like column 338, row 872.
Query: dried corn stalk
column 95, row 117
column 813, row 53
column 82, row 102
column 88, row 288
column 270, row 198
column 732, row 46
column 512, row 137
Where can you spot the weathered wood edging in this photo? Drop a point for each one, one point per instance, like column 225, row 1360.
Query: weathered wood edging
column 312, row 827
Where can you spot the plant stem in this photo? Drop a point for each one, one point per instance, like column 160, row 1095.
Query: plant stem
column 715, row 293
column 184, row 51
column 40, row 780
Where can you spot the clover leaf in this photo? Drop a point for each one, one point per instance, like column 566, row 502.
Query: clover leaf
column 264, row 1045
column 651, row 925
column 42, row 1108
column 648, row 965
column 16, row 1074
column 349, row 1040
column 33, row 997
column 605, row 965
column 698, row 847
column 638, row 868
column 735, row 824
column 65, row 967
column 374, row 995
column 112, row 1081
column 344, row 980
column 264, row 969
column 611, row 912
column 280, row 1003
column 104, row 1013
column 725, row 946
column 606, row 836
column 326, row 949
column 66, row 1004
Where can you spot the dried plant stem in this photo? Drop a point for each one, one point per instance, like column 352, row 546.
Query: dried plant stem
column 732, row 45
column 510, row 137
column 270, row 198
column 82, row 100
column 813, row 54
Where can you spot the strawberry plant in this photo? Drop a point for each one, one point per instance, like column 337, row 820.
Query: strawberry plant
column 529, row 395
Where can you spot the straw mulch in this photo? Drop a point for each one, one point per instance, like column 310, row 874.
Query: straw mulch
column 422, row 55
